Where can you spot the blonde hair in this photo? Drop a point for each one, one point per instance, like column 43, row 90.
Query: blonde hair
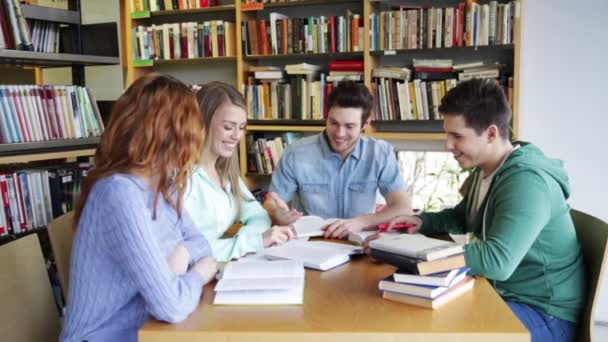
column 210, row 97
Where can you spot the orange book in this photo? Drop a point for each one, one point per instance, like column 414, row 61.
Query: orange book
column 284, row 36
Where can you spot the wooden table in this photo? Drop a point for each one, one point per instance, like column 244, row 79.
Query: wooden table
column 344, row 304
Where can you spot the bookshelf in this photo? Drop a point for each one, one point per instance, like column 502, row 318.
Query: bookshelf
column 39, row 174
column 507, row 54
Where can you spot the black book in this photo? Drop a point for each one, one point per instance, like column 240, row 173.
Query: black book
column 416, row 266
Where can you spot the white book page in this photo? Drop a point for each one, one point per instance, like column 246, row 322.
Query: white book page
column 268, row 269
column 259, row 284
column 269, row 297
column 311, row 255
column 307, row 226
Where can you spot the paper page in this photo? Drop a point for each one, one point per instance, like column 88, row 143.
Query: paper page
column 307, row 226
column 268, row 269
column 270, row 297
column 259, row 284
column 317, row 257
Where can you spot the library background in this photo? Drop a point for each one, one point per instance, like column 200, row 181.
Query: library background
column 65, row 61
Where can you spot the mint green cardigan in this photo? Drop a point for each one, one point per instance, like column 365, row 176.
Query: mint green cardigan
column 213, row 211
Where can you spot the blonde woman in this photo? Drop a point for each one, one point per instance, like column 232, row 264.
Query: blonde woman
column 217, row 197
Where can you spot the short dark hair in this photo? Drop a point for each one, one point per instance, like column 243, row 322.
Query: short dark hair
column 482, row 103
column 349, row 94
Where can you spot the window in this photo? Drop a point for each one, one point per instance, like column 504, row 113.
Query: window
column 433, row 179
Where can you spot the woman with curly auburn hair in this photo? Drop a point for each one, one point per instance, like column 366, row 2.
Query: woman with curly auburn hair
column 136, row 254
column 217, row 197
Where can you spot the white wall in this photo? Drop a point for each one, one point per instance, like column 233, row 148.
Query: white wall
column 105, row 81
column 563, row 96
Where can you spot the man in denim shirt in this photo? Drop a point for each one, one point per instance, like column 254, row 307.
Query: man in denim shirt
column 335, row 174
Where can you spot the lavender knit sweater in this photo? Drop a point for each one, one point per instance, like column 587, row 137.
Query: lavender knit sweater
column 119, row 274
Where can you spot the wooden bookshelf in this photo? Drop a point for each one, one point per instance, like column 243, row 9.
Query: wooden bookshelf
column 397, row 130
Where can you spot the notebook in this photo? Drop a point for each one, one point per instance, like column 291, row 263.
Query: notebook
column 417, row 246
column 309, row 226
column 318, row 255
column 260, row 283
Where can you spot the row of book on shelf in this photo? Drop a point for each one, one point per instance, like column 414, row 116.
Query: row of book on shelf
column 283, row 35
column 398, row 98
column 33, row 198
column 171, row 5
column 31, row 35
column 303, row 96
column 400, row 93
column 30, row 113
column 184, row 40
column 468, row 24
column 264, row 154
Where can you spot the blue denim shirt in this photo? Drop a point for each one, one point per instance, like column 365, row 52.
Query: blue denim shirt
column 320, row 183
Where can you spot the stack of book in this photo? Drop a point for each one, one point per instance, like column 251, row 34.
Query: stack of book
column 431, row 272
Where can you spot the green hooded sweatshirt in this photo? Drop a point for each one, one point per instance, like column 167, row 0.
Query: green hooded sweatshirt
column 529, row 250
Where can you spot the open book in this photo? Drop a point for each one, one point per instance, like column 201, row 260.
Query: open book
column 261, row 282
column 319, row 255
column 417, row 246
column 309, row 226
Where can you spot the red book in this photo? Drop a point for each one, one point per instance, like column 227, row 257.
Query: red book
column 461, row 24
column 6, row 34
column 50, row 108
column 5, row 204
column 204, row 3
column 262, row 37
column 346, row 65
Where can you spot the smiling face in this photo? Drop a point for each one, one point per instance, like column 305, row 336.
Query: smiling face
column 227, row 129
column 343, row 129
column 469, row 148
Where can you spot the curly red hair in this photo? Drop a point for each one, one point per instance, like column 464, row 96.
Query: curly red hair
column 155, row 129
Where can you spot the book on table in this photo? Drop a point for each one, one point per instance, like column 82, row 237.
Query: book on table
column 417, row 246
column 425, row 291
column 319, row 255
column 436, row 279
column 261, row 283
column 310, row 226
column 437, row 302
column 417, row 266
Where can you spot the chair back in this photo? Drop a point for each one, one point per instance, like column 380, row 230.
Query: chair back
column 29, row 312
column 592, row 234
column 61, row 236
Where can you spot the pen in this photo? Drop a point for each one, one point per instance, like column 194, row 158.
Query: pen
column 397, row 226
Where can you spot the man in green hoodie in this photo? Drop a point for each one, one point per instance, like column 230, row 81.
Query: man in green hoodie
column 523, row 239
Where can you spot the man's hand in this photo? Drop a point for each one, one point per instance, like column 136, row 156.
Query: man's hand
column 277, row 235
column 207, row 268
column 178, row 260
column 279, row 211
column 415, row 220
column 366, row 249
column 341, row 228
